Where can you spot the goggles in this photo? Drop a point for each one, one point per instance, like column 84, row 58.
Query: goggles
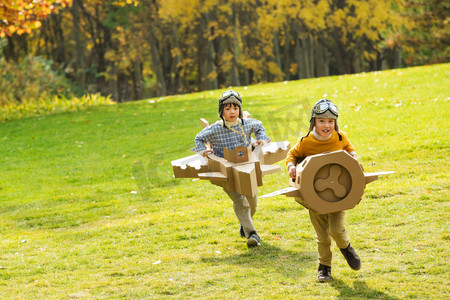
column 228, row 94
column 322, row 107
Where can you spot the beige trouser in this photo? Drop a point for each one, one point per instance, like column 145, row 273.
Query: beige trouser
column 244, row 208
column 329, row 226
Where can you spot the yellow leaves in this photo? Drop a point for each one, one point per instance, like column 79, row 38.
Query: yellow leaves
column 274, row 70
column 51, row 105
column 12, row 28
column 337, row 19
column 175, row 52
column 184, row 11
column 369, row 55
column 251, row 64
column 293, row 68
column 226, row 9
column 22, row 16
column 122, row 3
column 212, row 75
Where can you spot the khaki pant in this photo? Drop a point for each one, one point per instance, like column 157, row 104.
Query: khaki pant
column 329, row 226
column 244, row 208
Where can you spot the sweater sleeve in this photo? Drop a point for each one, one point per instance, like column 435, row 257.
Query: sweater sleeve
column 294, row 154
column 201, row 139
column 348, row 146
column 260, row 132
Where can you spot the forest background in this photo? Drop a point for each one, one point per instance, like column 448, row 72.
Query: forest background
column 130, row 50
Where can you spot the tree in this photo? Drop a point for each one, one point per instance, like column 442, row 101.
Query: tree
column 427, row 40
column 134, row 49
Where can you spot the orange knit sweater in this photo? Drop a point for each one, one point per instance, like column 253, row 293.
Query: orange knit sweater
column 310, row 145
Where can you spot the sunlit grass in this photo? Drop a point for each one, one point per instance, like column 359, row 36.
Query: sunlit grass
column 90, row 209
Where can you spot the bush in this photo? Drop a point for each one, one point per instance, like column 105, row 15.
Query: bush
column 35, row 87
column 32, row 79
column 49, row 105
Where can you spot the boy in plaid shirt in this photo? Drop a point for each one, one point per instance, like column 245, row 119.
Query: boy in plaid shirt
column 232, row 131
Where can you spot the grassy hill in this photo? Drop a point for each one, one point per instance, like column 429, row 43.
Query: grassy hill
column 89, row 207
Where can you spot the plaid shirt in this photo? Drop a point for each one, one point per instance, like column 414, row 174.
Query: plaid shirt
column 219, row 136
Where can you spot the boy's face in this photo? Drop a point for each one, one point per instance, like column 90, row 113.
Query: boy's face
column 231, row 112
column 324, row 126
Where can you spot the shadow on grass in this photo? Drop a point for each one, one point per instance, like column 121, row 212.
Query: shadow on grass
column 291, row 264
column 360, row 290
column 295, row 264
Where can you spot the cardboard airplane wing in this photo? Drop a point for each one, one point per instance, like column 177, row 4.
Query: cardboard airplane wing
column 240, row 170
column 328, row 182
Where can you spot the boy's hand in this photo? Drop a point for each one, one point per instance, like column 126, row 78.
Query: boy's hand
column 292, row 171
column 260, row 142
column 206, row 152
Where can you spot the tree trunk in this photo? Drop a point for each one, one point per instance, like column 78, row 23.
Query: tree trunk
column 234, row 71
column 276, row 51
column 58, row 51
column 156, row 62
column 287, row 56
column 210, row 67
column 16, row 48
column 101, row 39
column 137, row 79
column 309, row 42
column 303, row 50
column 398, row 57
column 357, row 61
column 233, row 42
column 78, row 53
column 341, row 55
column 321, row 59
column 176, row 65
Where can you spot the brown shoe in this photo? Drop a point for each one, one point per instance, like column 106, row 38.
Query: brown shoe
column 324, row 273
column 253, row 240
column 352, row 258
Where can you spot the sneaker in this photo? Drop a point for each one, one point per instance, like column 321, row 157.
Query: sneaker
column 324, row 273
column 241, row 231
column 352, row 258
column 253, row 240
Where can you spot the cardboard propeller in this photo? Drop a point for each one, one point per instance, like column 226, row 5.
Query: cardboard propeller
column 328, row 182
column 240, row 170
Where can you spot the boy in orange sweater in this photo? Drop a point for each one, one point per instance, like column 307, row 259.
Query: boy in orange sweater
column 325, row 137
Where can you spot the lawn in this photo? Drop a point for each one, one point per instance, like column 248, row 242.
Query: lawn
column 89, row 208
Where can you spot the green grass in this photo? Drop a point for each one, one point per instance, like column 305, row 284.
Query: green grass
column 89, row 207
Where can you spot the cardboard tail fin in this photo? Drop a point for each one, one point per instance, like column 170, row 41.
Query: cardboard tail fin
column 369, row 177
column 289, row 192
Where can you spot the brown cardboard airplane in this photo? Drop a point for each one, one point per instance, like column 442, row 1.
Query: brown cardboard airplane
column 328, row 182
column 240, row 170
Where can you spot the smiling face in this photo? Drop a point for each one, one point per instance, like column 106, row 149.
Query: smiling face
column 324, row 126
column 230, row 112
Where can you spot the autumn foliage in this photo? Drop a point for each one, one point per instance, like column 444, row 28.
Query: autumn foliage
column 23, row 16
column 132, row 49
